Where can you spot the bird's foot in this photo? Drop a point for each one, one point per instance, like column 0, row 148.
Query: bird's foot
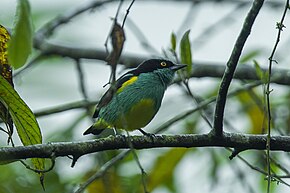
column 151, row 135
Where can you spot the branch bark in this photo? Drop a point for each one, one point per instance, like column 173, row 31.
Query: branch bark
column 200, row 69
column 77, row 149
column 231, row 66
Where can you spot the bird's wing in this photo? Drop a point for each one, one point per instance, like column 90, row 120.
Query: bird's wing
column 107, row 97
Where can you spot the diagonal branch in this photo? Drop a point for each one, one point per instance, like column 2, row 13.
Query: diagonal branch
column 48, row 29
column 231, row 66
column 102, row 171
column 66, row 107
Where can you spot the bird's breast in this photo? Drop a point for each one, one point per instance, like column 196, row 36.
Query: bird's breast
column 138, row 116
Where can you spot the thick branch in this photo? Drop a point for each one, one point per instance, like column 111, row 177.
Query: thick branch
column 232, row 64
column 200, row 69
column 77, row 149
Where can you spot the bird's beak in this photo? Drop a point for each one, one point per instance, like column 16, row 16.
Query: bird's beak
column 177, row 66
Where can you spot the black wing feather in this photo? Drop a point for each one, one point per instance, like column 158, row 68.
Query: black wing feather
column 107, row 97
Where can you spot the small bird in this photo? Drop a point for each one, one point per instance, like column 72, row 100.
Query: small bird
column 135, row 98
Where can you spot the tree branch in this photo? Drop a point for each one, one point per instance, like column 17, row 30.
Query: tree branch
column 77, row 149
column 65, row 107
column 231, row 66
column 102, row 171
column 200, row 69
column 48, row 29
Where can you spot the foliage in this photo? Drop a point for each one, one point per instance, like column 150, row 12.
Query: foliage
column 20, row 45
column 26, row 124
column 167, row 170
column 185, row 52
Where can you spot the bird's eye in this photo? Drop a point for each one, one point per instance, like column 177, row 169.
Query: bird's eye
column 163, row 64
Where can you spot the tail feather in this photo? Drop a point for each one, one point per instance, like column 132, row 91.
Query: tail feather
column 92, row 130
column 97, row 127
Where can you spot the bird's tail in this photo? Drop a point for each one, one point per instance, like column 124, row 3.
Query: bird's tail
column 97, row 128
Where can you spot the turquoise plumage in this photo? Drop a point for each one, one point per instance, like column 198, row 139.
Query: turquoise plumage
column 136, row 98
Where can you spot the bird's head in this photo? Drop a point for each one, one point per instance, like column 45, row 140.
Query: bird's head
column 165, row 69
column 156, row 64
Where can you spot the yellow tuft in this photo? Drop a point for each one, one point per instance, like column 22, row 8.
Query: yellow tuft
column 97, row 127
column 127, row 83
column 101, row 124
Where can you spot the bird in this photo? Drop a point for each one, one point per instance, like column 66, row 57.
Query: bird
column 135, row 98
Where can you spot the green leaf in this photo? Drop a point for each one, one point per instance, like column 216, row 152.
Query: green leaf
column 260, row 73
column 173, row 41
column 249, row 56
column 23, row 118
column 258, row 70
column 162, row 172
column 185, row 51
column 6, row 72
column 20, row 45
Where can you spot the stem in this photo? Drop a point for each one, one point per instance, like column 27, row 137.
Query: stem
column 231, row 67
column 280, row 27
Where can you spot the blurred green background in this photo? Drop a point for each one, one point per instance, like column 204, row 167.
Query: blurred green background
column 54, row 81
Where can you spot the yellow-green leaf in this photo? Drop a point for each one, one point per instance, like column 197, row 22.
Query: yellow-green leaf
column 185, row 51
column 249, row 56
column 20, row 45
column 255, row 114
column 23, row 118
column 258, row 69
column 164, row 168
column 6, row 72
column 260, row 73
column 5, row 68
column 173, row 41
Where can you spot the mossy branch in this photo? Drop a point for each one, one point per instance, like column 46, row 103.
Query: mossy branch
column 78, row 149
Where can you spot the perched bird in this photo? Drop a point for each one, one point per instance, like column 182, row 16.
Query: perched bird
column 135, row 98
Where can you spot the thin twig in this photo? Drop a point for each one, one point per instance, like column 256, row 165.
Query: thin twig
column 231, row 67
column 127, row 13
column 242, row 177
column 280, row 27
column 141, row 37
column 143, row 173
column 81, row 79
column 102, row 170
column 34, row 60
column 65, row 107
column 118, row 10
column 40, row 171
column 205, row 35
column 277, row 178
column 202, row 105
column 1, row 129
column 112, row 26
column 197, row 101
column 189, row 18
column 48, row 29
column 280, row 166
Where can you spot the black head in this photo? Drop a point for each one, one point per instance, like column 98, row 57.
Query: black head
column 154, row 64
